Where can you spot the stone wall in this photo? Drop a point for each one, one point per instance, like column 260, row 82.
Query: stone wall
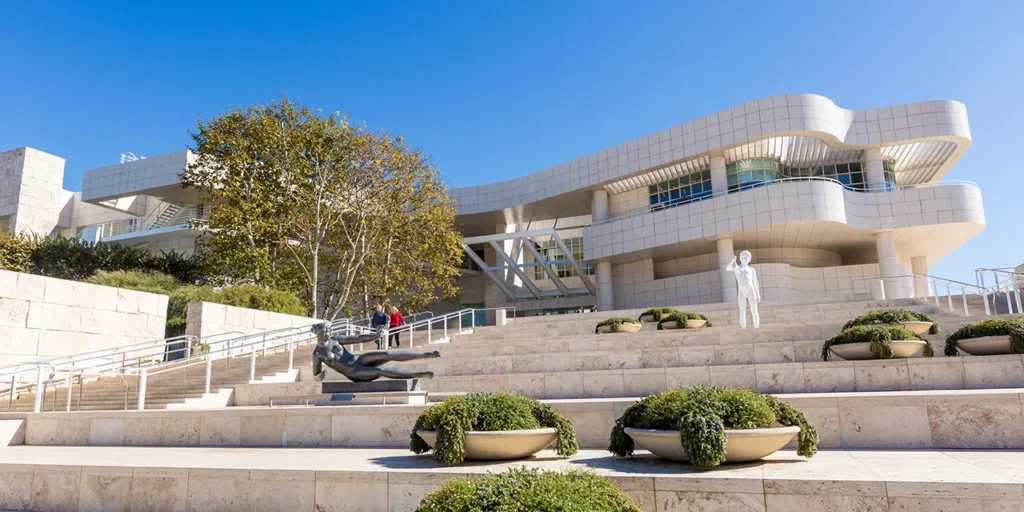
column 44, row 318
column 208, row 319
column 30, row 190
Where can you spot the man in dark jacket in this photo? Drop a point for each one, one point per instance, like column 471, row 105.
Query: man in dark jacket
column 380, row 322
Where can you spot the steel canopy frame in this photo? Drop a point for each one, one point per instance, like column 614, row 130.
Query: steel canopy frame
column 525, row 238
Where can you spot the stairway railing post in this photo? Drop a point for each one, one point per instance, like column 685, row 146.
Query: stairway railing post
column 37, row 406
column 143, row 374
column 209, row 371
column 252, row 364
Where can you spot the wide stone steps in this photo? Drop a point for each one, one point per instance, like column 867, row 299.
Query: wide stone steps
column 394, row 480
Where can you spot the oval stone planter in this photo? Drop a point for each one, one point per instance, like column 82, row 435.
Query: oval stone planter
column 985, row 346
column 647, row 319
column 918, row 327
column 740, row 445
column 507, row 445
column 860, row 351
column 669, row 325
column 695, row 324
column 605, row 329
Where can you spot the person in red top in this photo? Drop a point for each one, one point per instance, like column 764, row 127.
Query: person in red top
column 396, row 320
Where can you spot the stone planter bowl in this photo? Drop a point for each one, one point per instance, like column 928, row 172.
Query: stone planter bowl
column 696, row 324
column 669, row 325
column 740, row 445
column 860, row 351
column 507, row 445
column 647, row 319
column 917, row 328
column 985, row 346
column 605, row 329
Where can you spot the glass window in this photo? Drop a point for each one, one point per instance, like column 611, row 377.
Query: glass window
column 675, row 192
column 551, row 251
column 889, row 173
column 754, row 172
column 848, row 173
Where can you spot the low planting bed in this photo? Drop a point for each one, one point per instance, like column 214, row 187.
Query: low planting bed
column 683, row 320
column 710, row 425
column 620, row 324
column 917, row 323
column 528, row 490
column 652, row 315
column 988, row 337
column 875, row 342
column 491, row 426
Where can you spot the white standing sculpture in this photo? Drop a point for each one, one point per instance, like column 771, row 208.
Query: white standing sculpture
column 748, row 290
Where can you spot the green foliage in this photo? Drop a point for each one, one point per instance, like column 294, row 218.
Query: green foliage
column 893, row 317
column 16, row 251
column 487, row 412
column 533, row 490
column 152, row 282
column 680, row 317
column 657, row 313
column 702, row 414
column 1014, row 328
column 614, row 323
column 880, row 337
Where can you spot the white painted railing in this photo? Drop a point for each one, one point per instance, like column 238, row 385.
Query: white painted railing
column 932, row 285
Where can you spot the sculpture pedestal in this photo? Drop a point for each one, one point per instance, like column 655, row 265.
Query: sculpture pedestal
column 331, row 393
column 376, row 386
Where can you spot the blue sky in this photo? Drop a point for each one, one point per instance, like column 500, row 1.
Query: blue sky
column 498, row 90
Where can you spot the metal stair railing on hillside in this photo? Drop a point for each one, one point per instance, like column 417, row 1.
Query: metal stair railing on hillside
column 430, row 325
column 42, row 379
column 931, row 285
column 1007, row 280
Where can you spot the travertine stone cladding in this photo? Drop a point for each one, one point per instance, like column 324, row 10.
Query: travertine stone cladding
column 43, row 317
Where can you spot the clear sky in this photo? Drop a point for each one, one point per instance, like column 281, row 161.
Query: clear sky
column 495, row 90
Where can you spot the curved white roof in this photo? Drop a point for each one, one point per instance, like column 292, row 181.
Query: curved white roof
column 923, row 139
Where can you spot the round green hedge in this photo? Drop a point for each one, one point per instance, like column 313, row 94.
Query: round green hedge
column 681, row 317
column 1014, row 328
column 880, row 337
column 487, row 412
column 892, row 316
column 702, row 413
column 615, row 323
column 520, row 490
column 657, row 313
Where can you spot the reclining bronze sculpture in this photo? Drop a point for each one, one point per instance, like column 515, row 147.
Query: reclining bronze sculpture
column 330, row 350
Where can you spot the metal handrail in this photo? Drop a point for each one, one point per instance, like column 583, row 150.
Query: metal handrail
column 1010, row 284
column 931, row 283
column 648, row 209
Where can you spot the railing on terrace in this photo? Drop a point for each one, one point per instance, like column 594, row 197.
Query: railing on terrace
column 654, row 208
column 154, row 220
column 1011, row 282
column 932, row 286
column 153, row 358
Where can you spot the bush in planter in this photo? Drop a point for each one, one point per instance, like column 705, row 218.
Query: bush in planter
column 702, row 413
column 487, row 412
column 892, row 316
column 529, row 489
column 680, row 317
column 657, row 313
column 614, row 323
column 1014, row 328
column 880, row 337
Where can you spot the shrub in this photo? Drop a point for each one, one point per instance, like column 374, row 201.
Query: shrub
column 702, row 413
column 16, row 251
column 880, row 337
column 657, row 313
column 892, row 316
column 187, row 269
column 486, row 412
column 681, row 317
column 1014, row 328
column 529, row 489
column 614, row 323
column 153, row 282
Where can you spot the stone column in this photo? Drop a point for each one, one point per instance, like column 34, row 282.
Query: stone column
column 919, row 265
column 605, row 292
column 719, row 180
column 888, row 264
column 725, row 255
column 599, row 205
column 874, row 172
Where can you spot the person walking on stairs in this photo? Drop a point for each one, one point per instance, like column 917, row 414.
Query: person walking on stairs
column 380, row 322
column 396, row 320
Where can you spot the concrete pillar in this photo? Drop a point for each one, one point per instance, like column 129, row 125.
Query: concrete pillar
column 874, row 172
column 719, row 180
column 919, row 265
column 725, row 255
column 599, row 206
column 888, row 264
column 605, row 292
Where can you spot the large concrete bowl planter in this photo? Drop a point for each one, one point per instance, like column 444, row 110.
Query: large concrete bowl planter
column 918, row 327
column 901, row 349
column 741, row 445
column 669, row 325
column 623, row 327
column 508, row 445
column 985, row 346
column 647, row 319
column 695, row 324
